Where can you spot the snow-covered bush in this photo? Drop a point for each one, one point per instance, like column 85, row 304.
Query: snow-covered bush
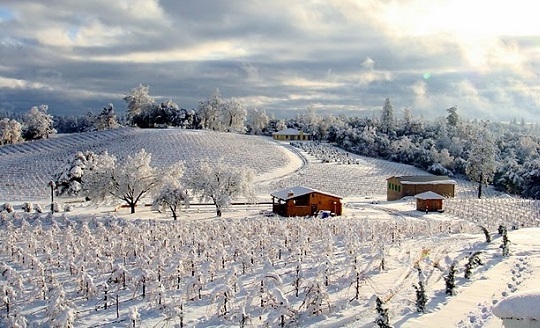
column 7, row 207
column 27, row 207
column 473, row 261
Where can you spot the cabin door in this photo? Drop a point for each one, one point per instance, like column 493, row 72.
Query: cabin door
column 314, row 209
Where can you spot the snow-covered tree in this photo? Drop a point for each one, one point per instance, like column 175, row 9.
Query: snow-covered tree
column 129, row 180
column 220, row 182
column 310, row 120
column 234, row 116
column 173, row 198
column 10, row 132
column 172, row 195
column 69, row 177
column 107, row 119
column 210, row 111
column 257, row 121
column 530, row 173
column 388, row 120
column 38, row 124
column 481, row 164
column 138, row 101
column 453, row 118
column 281, row 125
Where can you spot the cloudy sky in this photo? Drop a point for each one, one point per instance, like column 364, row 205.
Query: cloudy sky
column 342, row 56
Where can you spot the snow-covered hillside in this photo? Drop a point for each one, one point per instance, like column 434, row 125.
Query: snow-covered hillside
column 99, row 266
column 26, row 169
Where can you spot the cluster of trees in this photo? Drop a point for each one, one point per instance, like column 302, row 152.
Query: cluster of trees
column 506, row 155
column 214, row 113
column 102, row 176
column 36, row 124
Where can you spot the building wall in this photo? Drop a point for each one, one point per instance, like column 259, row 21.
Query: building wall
column 431, row 204
column 395, row 190
column 310, row 204
column 290, row 137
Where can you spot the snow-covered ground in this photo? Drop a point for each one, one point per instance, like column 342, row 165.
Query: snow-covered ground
column 252, row 270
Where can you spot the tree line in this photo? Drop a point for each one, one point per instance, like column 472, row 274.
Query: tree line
column 506, row 155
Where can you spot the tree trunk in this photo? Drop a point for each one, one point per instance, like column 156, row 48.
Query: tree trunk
column 132, row 207
column 479, row 190
column 218, row 211
column 173, row 210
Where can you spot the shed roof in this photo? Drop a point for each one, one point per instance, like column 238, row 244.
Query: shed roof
column 297, row 191
column 424, row 179
column 428, row 195
column 289, row 132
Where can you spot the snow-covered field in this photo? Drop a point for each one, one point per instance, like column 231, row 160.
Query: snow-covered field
column 105, row 267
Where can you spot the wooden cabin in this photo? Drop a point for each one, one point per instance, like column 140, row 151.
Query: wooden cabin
column 429, row 201
column 399, row 187
column 290, row 135
column 302, row 201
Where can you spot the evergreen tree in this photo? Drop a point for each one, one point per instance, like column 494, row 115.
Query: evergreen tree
column 450, row 280
column 387, row 117
column 453, row 118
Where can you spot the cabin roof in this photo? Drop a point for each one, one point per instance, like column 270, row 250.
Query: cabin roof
column 428, row 195
column 289, row 131
column 297, row 191
column 424, row 179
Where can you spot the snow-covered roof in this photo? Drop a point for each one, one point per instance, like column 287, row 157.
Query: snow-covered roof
column 296, row 191
column 424, row 179
column 521, row 305
column 289, row 131
column 428, row 195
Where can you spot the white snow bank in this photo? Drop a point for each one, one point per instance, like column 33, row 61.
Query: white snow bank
column 522, row 305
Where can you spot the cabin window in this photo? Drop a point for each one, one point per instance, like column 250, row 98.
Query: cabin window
column 302, row 200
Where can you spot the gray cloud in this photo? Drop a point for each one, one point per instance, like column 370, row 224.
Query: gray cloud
column 343, row 56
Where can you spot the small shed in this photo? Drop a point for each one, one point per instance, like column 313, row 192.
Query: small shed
column 290, row 135
column 429, row 201
column 303, row 201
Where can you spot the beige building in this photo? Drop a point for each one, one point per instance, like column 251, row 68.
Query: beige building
column 399, row 187
column 290, row 135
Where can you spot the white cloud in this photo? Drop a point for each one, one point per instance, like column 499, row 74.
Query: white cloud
column 341, row 54
column 420, row 91
column 368, row 63
column 11, row 83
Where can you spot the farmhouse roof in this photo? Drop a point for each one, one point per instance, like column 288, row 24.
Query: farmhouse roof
column 289, row 132
column 428, row 195
column 424, row 179
column 297, row 191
